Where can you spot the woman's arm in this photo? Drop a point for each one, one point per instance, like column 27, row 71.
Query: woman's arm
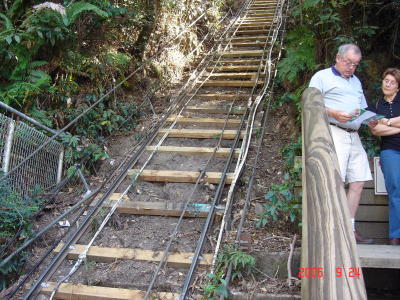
column 383, row 130
column 395, row 122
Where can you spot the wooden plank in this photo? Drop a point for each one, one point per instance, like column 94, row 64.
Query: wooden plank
column 194, row 151
column 255, row 15
column 244, row 53
column 379, row 256
column 261, row 38
column 248, row 44
column 232, row 83
column 251, row 31
column 234, row 68
column 373, row 213
column 238, row 61
column 215, row 110
column 263, row 25
column 327, row 237
column 171, row 209
column 179, row 176
column 109, row 255
column 70, row 291
column 258, row 19
column 224, row 97
column 246, row 75
column 205, row 122
column 201, row 133
column 368, row 197
column 373, row 230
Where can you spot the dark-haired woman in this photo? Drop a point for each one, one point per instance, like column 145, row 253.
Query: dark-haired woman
column 389, row 129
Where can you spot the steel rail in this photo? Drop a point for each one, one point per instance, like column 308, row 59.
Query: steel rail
column 194, row 263
column 186, row 205
column 101, row 200
column 202, row 172
column 76, row 266
column 249, row 128
column 252, row 176
column 244, row 151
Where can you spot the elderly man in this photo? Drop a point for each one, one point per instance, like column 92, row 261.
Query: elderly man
column 344, row 97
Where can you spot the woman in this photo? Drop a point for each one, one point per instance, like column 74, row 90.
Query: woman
column 389, row 129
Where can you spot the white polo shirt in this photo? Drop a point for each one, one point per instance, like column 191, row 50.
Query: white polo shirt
column 339, row 93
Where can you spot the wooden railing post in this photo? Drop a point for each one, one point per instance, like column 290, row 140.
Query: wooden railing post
column 328, row 247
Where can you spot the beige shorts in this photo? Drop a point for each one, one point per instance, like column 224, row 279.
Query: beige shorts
column 353, row 160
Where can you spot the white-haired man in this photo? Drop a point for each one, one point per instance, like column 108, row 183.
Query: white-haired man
column 344, row 97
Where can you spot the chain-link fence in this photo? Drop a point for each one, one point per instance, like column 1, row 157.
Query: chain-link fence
column 17, row 141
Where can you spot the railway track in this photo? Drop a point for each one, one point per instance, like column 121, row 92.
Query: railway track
column 154, row 223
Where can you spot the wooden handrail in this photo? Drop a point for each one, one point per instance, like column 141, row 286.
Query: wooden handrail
column 328, row 245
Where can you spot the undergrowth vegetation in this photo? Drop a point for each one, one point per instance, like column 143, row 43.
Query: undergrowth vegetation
column 242, row 263
column 16, row 214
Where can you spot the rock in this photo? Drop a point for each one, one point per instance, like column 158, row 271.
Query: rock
column 258, row 209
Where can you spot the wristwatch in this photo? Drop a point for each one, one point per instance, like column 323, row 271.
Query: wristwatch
column 389, row 122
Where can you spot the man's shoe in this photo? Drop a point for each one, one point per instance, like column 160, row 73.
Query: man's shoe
column 394, row 241
column 362, row 240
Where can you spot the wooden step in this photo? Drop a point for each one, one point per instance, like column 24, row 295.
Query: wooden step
column 109, row 255
column 194, row 151
column 238, row 61
column 248, row 44
column 232, row 83
column 379, row 256
column 261, row 10
column 256, row 15
column 201, row 133
column 264, row 25
column 159, row 208
column 234, row 68
column 261, row 38
column 238, row 75
column 205, row 122
column 244, row 53
column 215, row 110
column 70, row 291
column 223, row 97
column 258, row 19
column 251, row 31
column 252, row 22
column 179, row 176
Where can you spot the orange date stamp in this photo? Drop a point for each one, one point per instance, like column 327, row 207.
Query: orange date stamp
column 319, row 272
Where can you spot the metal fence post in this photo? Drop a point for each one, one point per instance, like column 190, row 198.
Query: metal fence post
column 60, row 166
column 8, row 146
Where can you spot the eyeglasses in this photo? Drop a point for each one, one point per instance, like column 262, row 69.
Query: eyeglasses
column 349, row 64
column 389, row 82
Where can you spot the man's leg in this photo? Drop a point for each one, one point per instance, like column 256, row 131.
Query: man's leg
column 358, row 172
column 354, row 196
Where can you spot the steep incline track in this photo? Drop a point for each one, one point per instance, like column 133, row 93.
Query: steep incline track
column 179, row 182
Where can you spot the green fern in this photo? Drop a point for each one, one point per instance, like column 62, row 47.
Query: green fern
column 6, row 22
column 75, row 9
column 300, row 56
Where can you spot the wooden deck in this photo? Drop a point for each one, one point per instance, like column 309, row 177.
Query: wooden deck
column 379, row 256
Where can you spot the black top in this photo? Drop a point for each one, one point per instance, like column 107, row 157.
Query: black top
column 389, row 110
